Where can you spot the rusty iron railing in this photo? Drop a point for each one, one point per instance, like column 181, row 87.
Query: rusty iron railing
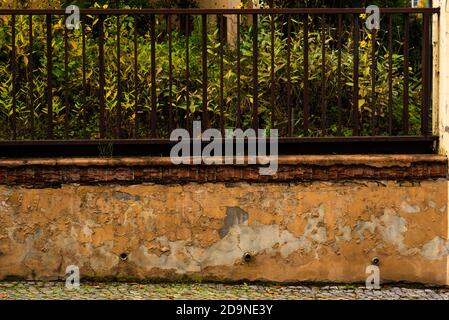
column 301, row 119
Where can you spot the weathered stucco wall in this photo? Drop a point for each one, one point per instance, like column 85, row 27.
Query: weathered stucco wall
column 316, row 231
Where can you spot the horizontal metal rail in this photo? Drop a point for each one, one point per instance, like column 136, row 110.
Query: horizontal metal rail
column 162, row 147
column 282, row 140
column 196, row 11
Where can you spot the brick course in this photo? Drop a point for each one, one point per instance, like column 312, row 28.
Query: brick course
column 160, row 170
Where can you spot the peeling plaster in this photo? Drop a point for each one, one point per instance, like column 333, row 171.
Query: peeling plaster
column 315, row 231
column 409, row 208
column 435, row 249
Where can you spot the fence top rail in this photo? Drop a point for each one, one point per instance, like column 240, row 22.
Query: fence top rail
column 198, row 11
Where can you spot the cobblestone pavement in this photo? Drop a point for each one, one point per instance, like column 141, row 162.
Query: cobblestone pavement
column 136, row 291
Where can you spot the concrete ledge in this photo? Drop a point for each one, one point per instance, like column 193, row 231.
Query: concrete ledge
column 135, row 170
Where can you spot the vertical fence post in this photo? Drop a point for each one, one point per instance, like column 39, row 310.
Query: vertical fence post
column 170, row 76
column 339, row 80
column 435, row 69
column 14, row 76
column 426, row 48
column 374, row 107
column 289, row 78
column 255, row 121
column 222, row 103
column 390, row 74
column 272, row 83
column 119, row 84
column 30, row 76
column 239, row 102
column 102, row 78
column 355, row 107
column 187, row 93
column 153, row 77
column 405, row 98
column 66, row 83
column 136, row 80
column 49, row 79
column 83, row 41
column 305, row 99
column 205, row 119
column 323, row 76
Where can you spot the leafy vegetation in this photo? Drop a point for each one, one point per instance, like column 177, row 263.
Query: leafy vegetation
column 83, row 114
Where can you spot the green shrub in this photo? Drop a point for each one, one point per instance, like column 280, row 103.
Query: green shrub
column 84, row 102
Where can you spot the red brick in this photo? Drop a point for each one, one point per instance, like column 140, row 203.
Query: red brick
column 229, row 173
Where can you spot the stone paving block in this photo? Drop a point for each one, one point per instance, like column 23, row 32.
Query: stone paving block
column 136, row 291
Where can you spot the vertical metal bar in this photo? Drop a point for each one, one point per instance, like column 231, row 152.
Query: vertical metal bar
column 272, row 84
column 49, row 78
column 306, row 76
column 373, row 84
column 205, row 118
column 153, row 78
column 222, row 35
column 289, row 81
column 30, row 76
column 323, row 75
column 255, row 122
column 136, row 81
column 390, row 74
column 355, row 107
column 83, row 40
column 170, row 75
column 119, row 84
column 14, row 76
column 102, row 79
column 239, row 100
column 187, row 26
column 405, row 116
column 66, row 84
column 426, row 47
column 431, row 56
column 339, row 86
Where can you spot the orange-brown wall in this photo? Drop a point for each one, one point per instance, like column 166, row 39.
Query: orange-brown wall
column 316, row 231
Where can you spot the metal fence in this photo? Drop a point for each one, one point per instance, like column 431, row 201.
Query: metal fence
column 305, row 97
